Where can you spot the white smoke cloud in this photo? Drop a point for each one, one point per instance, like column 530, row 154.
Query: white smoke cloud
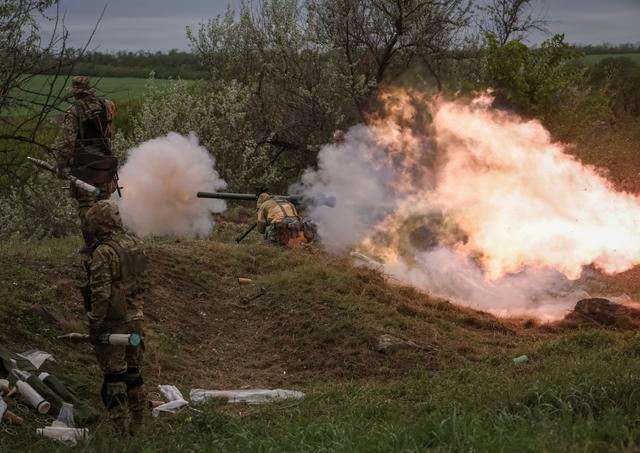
column 544, row 293
column 358, row 176
column 161, row 178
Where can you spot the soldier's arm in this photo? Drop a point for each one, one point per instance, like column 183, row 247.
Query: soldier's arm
column 103, row 268
column 262, row 220
column 66, row 141
column 111, row 112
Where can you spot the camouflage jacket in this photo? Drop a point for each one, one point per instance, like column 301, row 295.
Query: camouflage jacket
column 66, row 143
column 273, row 211
column 117, row 281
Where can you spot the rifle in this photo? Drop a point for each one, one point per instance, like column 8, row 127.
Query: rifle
column 116, row 178
column 80, row 184
column 246, row 233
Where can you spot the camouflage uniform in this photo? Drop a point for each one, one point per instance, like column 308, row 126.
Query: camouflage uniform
column 87, row 128
column 116, row 270
column 279, row 221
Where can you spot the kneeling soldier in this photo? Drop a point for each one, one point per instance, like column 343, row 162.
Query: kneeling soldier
column 279, row 221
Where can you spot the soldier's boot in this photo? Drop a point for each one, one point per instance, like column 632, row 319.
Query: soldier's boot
column 114, row 397
column 137, row 408
column 137, row 399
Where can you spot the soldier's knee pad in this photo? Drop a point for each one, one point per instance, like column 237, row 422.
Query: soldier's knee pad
column 133, row 378
column 114, row 391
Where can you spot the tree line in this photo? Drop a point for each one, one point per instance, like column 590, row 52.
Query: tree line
column 174, row 64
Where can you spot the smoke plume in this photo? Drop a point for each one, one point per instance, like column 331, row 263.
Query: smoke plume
column 161, row 178
column 360, row 176
column 476, row 205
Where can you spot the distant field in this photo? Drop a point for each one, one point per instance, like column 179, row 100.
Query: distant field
column 118, row 89
column 595, row 58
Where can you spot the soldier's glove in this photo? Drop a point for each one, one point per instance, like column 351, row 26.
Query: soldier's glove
column 94, row 336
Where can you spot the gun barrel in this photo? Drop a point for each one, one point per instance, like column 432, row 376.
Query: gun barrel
column 227, row 196
column 295, row 199
column 244, row 196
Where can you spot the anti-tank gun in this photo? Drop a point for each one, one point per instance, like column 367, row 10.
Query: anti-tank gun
column 298, row 200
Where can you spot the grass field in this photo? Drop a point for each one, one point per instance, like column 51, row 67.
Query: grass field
column 595, row 58
column 118, row 89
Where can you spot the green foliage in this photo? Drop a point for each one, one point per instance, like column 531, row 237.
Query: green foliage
column 619, row 78
column 296, row 93
column 534, row 81
column 38, row 210
column 216, row 114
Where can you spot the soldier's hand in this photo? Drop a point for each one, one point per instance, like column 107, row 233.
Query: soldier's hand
column 62, row 173
column 94, row 336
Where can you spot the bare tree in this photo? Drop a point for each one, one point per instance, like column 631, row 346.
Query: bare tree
column 510, row 19
column 315, row 65
column 26, row 101
column 381, row 39
column 271, row 47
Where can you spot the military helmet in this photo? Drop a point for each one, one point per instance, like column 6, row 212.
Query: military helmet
column 81, row 85
column 103, row 218
column 338, row 136
column 264, row 196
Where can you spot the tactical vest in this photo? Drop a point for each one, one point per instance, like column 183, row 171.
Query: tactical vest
column 93, row 160
column 127, row 288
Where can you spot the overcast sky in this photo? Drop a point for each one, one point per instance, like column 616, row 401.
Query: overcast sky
column 160, row 24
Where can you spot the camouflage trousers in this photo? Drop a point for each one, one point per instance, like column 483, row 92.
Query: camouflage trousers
column 279, row 234
column 123, row 388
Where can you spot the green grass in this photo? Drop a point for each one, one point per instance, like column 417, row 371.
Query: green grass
column 577, row 394
column 47, row 248
column 118, row 89
column 590, row 60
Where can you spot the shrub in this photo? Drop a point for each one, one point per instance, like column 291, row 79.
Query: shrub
column 533, row 81
column 216, row 114
column 37, row 211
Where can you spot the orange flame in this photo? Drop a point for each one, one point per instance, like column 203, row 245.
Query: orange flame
column 517, row 196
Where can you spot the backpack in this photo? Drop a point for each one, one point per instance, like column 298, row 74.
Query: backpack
column 93, row 161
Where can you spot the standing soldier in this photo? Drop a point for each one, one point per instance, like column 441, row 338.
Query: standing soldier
column 279, row 221
column 84, row 148
column 117, row 288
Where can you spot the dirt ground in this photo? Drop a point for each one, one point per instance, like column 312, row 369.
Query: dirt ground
column 312, row 318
